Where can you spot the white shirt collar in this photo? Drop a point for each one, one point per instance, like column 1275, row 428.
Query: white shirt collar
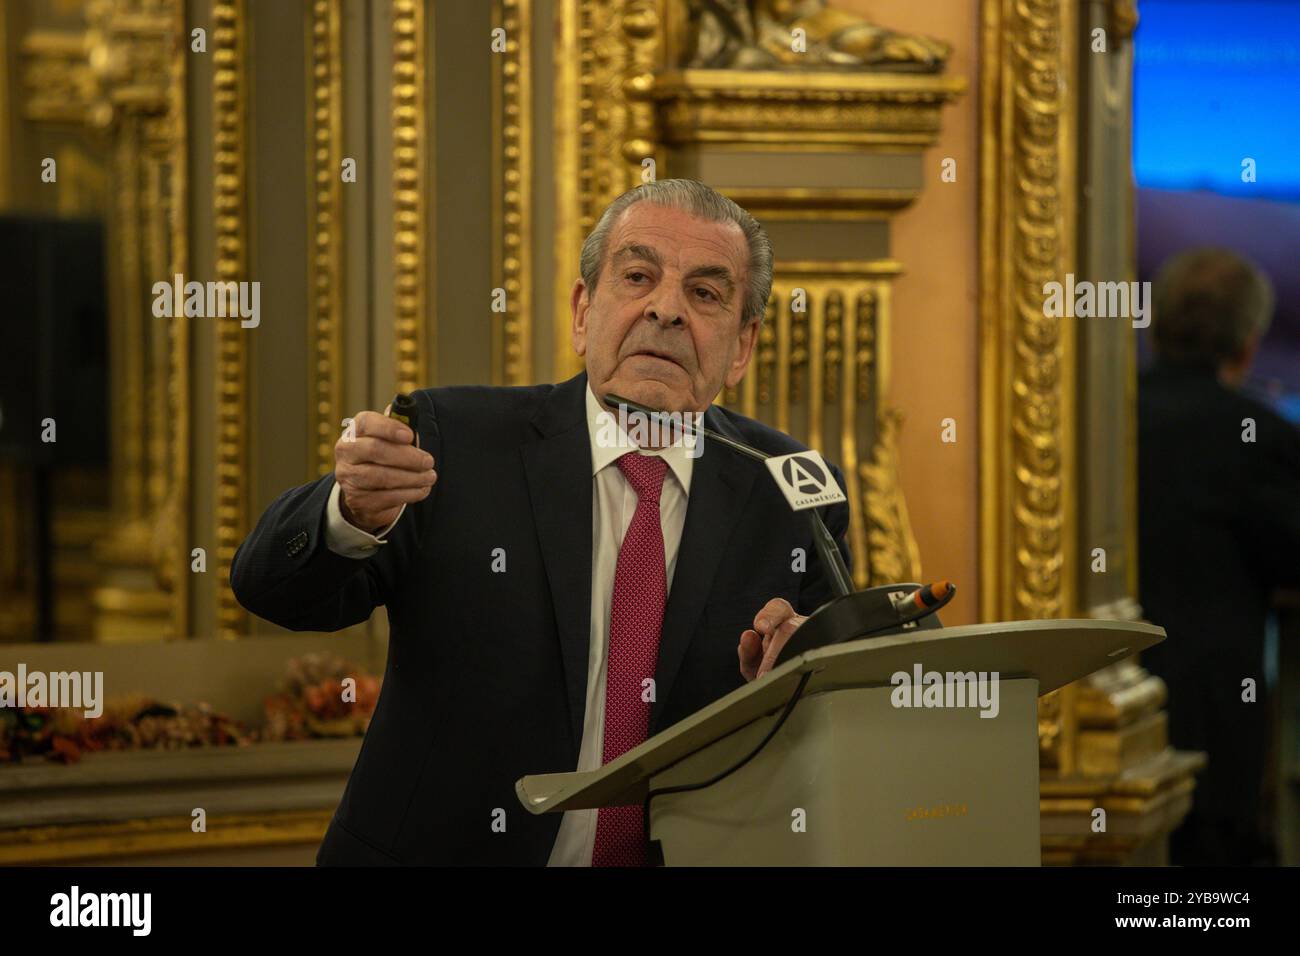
column 604, row 453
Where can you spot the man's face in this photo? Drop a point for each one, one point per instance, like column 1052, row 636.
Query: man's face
column 663, row 326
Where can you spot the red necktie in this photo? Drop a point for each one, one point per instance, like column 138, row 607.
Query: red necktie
column 635, row 620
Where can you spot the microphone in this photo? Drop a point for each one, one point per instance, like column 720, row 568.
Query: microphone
column 849, row 614
column 827, row 550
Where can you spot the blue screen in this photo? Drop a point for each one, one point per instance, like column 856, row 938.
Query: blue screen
column 1216, row 82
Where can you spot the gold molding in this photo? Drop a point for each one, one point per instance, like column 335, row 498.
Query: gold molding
column 1027, row 238
column 779, row 203
column 175, row 550
column 230, row 218
column 65, row 843
column 879, row 110
column 512, row 194
column 324, row 230
column 567, row 114
column 412, row 332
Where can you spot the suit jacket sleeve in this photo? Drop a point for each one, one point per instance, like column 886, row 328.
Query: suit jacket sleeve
column 286, row 573
column 816, row 587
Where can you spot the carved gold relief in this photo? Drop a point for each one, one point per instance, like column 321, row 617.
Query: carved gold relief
column 762, row 34
column 1027, row 397
column 229, row 92
column 891, row 546
column 512, row 348
column 862, row 109
column 325, row 230
column 410, row 266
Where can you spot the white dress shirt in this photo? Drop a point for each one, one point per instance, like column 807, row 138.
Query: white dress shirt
column 613, row 503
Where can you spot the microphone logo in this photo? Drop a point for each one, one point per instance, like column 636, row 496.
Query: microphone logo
column 805, row 480
column 804, row 475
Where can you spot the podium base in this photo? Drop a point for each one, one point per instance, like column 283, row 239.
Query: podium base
column 844, row 783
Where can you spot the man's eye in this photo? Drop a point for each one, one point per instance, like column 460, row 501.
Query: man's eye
column 706, row 294
column 634, row 276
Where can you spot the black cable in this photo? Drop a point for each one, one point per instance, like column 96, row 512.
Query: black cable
column 683, row 788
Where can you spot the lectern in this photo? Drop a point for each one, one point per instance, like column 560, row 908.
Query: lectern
column 916, row 749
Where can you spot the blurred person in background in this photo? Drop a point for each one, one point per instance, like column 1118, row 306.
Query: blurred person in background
column 1219, row 530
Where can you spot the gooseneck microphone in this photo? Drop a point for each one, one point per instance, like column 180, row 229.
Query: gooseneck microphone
column 849, row 614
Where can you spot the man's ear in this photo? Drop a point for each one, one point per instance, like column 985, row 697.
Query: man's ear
column 579, row 305
column 748, row 336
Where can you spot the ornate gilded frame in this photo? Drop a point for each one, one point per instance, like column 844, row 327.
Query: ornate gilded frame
column 1027, row 375
column 231, row 225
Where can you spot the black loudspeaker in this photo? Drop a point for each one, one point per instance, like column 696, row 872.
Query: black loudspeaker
column 54, row 352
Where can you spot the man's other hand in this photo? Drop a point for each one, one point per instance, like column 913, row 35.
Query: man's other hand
column 378, row 471
column 760, row 646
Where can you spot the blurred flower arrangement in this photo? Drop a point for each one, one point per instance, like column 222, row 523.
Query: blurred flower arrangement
column 130, row 723
column 321, row 695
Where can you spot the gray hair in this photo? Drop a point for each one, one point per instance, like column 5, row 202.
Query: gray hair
column 701, row 201
column 1208, row 304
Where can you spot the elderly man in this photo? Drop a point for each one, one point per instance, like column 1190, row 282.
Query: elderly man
column 554, row 597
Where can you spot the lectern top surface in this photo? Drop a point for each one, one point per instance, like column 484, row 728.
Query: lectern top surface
column 1053, row 652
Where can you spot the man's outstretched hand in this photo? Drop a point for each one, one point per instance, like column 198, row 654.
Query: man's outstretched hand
column 379, row 470
column 760, row 646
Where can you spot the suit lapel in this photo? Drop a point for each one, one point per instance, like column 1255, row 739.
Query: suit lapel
column 558, row 470
column 720, row 485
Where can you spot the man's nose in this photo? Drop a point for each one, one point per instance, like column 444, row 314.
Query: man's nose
column 667, row 306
